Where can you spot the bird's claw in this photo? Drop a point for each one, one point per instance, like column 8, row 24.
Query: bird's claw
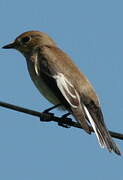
column 63, row 124
column 47, row 116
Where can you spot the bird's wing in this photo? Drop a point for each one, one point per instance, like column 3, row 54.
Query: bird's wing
column 60, row 85
column 71, row 95
column 67, row 90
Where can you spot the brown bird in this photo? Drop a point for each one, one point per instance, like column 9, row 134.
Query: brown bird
column 60, row 81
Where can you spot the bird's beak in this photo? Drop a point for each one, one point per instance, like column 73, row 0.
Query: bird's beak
column 10, row 46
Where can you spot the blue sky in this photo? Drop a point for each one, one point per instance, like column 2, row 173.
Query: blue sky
column 91, row 32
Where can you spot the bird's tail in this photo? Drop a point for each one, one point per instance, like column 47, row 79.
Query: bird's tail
column 102, row 133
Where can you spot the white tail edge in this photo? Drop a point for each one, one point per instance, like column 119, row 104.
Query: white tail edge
column 97, row 132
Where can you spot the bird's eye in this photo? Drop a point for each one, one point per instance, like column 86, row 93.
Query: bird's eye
column 25, row 39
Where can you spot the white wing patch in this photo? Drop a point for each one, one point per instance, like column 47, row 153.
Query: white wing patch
column 64, row 85
column 36, row 65
column 97, row 132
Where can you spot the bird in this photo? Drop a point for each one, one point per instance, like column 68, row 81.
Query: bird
column 61, row 82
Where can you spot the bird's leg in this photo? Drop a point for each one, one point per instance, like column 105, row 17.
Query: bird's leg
column 48, row 113
column 67, row 119
column 51, row 108
column 66, row 115
column 52, row 114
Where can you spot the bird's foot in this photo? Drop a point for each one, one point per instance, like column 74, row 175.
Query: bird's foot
column 48, row 115
column 64, row 119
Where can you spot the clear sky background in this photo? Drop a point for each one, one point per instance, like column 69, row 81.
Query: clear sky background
column 91, row 32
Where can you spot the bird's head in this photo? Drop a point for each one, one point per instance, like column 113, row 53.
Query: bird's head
column 28, row 41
